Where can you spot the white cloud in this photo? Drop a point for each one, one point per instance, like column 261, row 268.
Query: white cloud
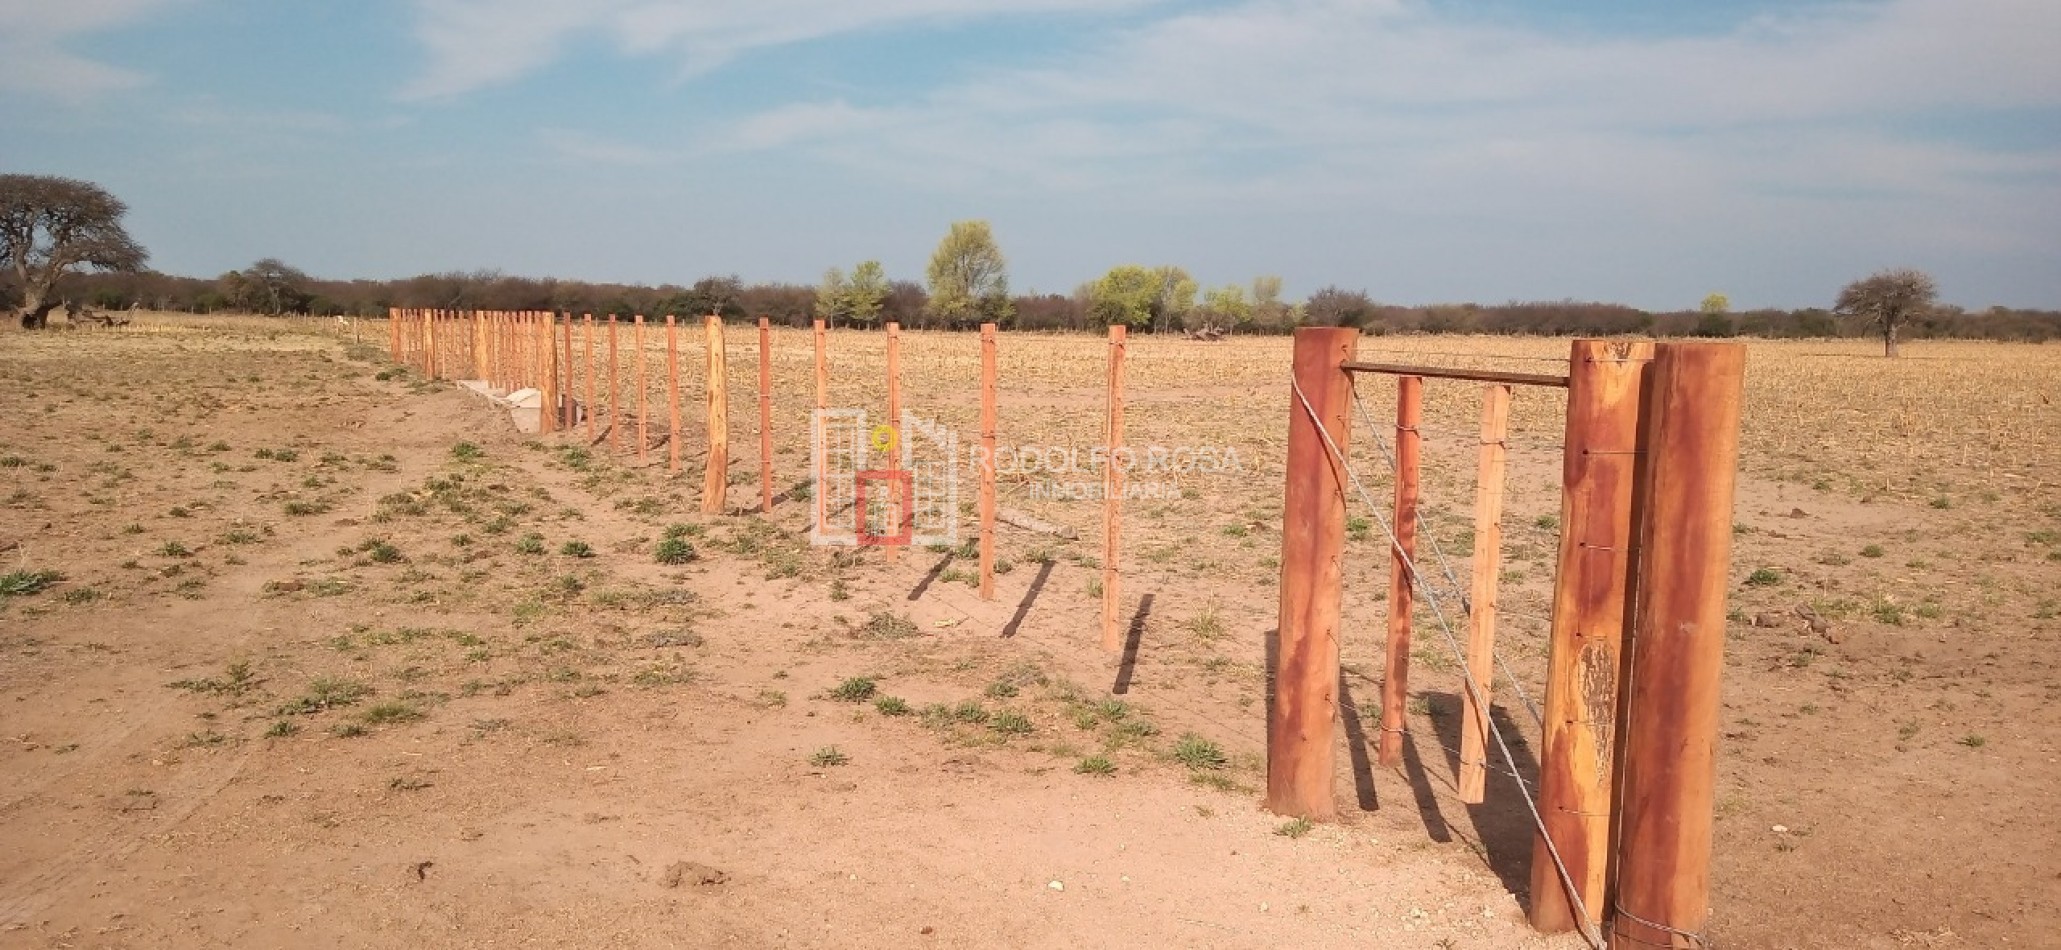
column 1388, row 105
column 473, row 44
column 32, row 38
column 1401, row 133
column 588, row 149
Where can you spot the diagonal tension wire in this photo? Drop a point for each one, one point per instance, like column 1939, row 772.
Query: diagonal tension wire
column 1446, row 564
column 1588, row 928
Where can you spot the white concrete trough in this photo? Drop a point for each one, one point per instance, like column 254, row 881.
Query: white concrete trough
column 522, row 404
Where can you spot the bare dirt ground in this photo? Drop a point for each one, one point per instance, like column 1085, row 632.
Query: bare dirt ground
column 340, row 660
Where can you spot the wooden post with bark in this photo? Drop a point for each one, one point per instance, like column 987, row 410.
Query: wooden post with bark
column 429, row 344
column 643, row 390
column 393, row 334
column 672, row 394
column 1112, row 496
column 1668, row 789
column 1304, row 713
column 716, row 481
column 988, row 414
column 820, row 452
column 1402, row 560
column 587, row 338
column 1475, row 702
column 765, row 415
column 615, row 391
column 547, row 373
column 894, row 425
column 569, row 403
column 1591, row 597
column 482, row 366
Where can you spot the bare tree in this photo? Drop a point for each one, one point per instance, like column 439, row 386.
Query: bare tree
column 50, row 226
column 1888, row 300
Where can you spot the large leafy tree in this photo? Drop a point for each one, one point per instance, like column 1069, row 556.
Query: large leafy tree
column 865, row 292
column 270, row 286
column 51, row 226
column 1136, row 296
column 1888, row 300
column 832, row 296
column 969, row 279
column 1125, row 296
column 857, row 298
column 1176, row 297
column 1226, row 307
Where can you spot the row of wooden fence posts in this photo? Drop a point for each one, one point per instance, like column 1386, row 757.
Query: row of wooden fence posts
column 1627, row 764
column 510, row 351
column 535, row 350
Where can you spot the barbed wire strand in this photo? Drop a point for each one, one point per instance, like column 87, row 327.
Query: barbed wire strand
column 1588, row 927
column 1446, row 564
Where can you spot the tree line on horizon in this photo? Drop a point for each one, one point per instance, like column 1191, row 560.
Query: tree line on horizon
column 64, row 246
column 259, row 289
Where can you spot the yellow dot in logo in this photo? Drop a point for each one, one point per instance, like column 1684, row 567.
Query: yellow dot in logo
column 883, row 438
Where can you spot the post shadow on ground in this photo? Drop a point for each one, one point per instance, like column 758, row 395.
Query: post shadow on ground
column 1355, row 741
column 1502, row 820
column 1030, row 597
column 931, row 576
column 1132, row 637
column 1420, row 788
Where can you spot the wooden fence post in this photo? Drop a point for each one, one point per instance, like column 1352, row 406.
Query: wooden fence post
column 547, row 372
column 569, row 403
column 429, row 344
column 818, row 490
column 643, row 391
column 615, row 391
column 1591, row 597
column 1481, row 615
column 765, row 415
column 894, row 423
column 988, row 413
column 1303, row 715
column 1678, row 644
column 1402, row 558
column 672, row 395
column 393, row 334
column 525, row 330
column 481, row 368
column 587, row 336
column 1112, row 497
column 715, row 483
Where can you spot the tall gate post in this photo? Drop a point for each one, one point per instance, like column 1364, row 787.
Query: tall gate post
column 1304, row 707
column 1591, row 597
column 1678, row 645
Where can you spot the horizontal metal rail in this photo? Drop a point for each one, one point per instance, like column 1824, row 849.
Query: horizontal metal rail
column 1448, row 372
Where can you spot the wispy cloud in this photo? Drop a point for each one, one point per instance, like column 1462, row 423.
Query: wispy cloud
column 473, row 44
column 588, row 149
column 1394, row 105
column 33, row 34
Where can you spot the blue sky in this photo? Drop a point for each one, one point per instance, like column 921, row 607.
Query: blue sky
column 1638, row 151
